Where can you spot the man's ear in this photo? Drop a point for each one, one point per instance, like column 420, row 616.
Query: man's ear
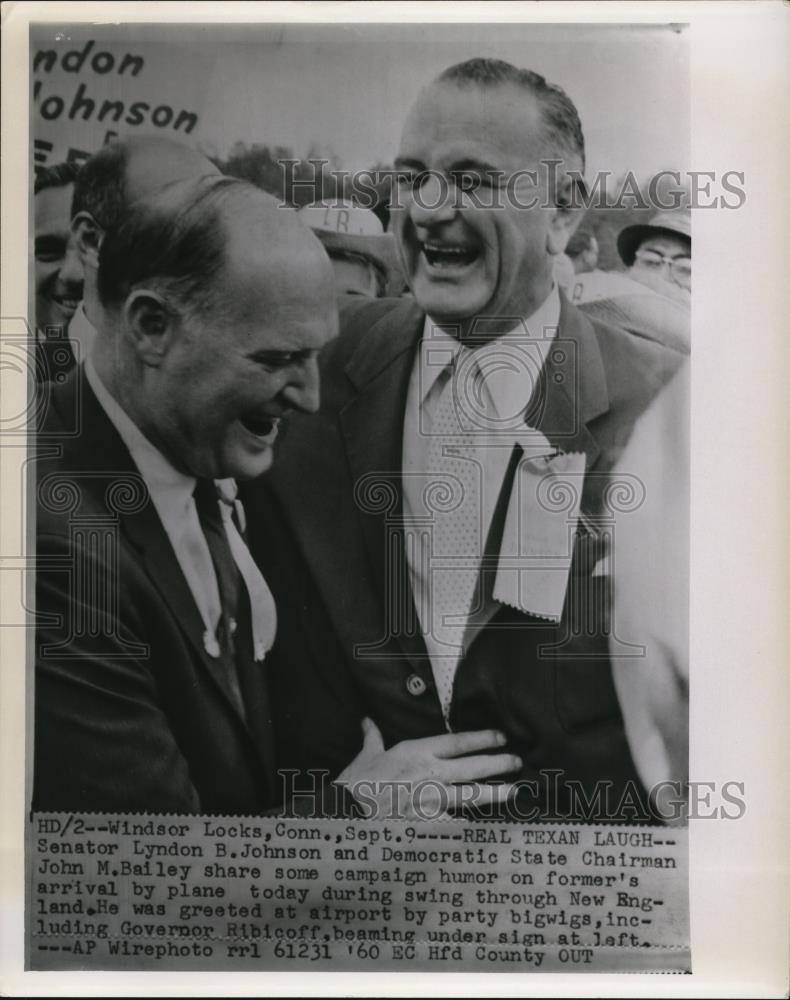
column 88, row 236
column 151, row 324
column 566, row 216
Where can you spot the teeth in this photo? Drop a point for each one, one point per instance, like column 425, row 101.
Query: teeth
column 442, row 255
column 451, row 250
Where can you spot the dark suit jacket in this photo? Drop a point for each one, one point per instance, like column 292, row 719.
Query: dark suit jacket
column 339, row 565
column 54, row 357
column 131, row 714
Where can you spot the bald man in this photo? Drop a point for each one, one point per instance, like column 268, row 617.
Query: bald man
column 109, row 182
column 156, row 629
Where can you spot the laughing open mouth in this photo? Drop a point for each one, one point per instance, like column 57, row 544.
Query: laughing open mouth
column 260, row 425
column 64, row 303
column 449, row 255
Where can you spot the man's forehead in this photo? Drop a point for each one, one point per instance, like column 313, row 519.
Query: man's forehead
column 666, row 243
column 53, row 206
column 504, row 116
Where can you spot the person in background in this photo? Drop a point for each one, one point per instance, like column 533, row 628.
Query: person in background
column 363, row 256
column 564, row 273
column 581, row 256
column 658, row 254
column 652, row 300
column 57, row 268
column 582, row 249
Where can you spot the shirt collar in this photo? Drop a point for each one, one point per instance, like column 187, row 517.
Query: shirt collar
column 170, row 489
column 83, row 332
column 438, row 349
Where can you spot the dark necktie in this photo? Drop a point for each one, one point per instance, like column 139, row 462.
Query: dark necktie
column 233, row 599
column 243, row 674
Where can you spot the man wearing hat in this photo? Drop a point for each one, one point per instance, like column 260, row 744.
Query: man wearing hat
column 658, row 254
column 362, row 254
column 653, row 298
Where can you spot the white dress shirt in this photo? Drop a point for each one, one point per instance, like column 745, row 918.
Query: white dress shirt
column 509, row 367
column 82, row 334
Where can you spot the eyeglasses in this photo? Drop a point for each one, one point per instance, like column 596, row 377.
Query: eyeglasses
column 679, row 267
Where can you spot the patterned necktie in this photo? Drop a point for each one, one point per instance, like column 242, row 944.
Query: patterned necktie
column 454, row 478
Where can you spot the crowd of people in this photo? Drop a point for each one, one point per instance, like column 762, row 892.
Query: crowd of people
column 334, row 504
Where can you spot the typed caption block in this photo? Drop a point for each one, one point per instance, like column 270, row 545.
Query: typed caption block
column 172, row 893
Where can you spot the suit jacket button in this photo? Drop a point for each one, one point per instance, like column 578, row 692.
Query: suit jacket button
column 416, row 685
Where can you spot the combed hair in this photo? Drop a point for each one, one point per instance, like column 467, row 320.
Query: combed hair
column 100, row 187
column 560, row 117
column 579, row 242
column 171, row 241
column 58, row 175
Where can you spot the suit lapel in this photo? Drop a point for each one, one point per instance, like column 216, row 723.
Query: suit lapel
column 372, row 429
column 99, row 450
column 145, row 531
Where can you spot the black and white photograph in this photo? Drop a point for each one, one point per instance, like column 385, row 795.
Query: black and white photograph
column 358, row 534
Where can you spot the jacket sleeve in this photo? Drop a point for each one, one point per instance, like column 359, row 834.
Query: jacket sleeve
column 102, row 740
column 317, row 707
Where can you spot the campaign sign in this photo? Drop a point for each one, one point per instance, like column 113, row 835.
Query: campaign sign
column 88, row 90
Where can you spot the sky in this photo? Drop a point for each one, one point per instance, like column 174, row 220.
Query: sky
column 346, row 88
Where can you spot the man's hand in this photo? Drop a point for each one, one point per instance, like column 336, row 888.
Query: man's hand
column 426, row 778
